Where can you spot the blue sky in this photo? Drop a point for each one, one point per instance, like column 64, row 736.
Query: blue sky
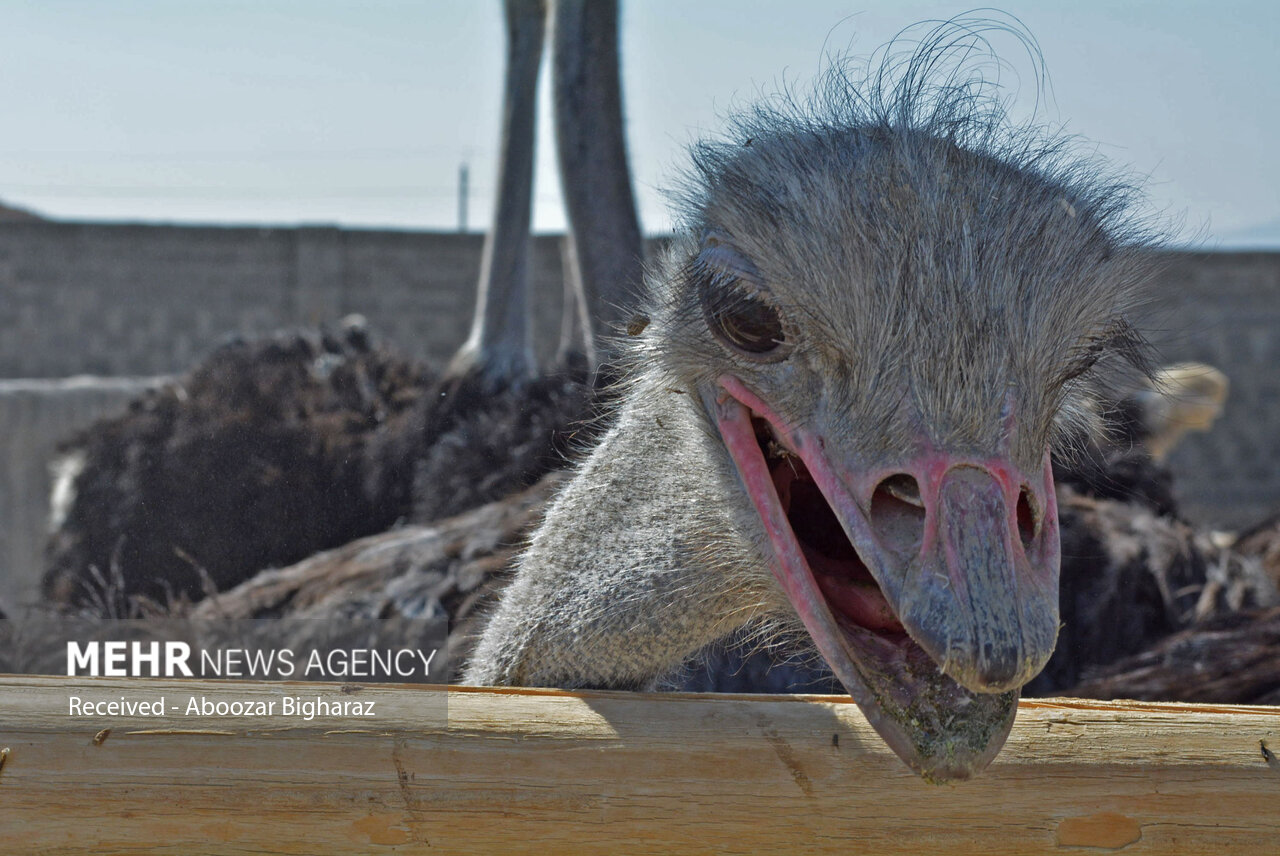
column 359, row 113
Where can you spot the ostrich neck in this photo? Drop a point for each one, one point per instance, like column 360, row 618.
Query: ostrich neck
column 619, row 585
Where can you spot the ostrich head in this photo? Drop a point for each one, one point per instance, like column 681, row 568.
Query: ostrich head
column 890, row 307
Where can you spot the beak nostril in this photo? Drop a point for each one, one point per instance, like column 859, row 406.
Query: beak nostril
column 1028, row 519
column 897, row 514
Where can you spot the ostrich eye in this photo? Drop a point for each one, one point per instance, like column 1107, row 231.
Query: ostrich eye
column 745, row 322
column 736, row 306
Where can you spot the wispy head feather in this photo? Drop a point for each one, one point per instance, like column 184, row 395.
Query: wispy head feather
column 920, row 240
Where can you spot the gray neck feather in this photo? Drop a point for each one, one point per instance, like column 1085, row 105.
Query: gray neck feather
column 644, row 558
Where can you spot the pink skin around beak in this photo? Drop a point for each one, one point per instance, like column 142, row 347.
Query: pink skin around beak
column 947, row 601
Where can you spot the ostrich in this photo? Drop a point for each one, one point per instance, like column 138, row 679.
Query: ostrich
column 884, row 310
column 1180, row 398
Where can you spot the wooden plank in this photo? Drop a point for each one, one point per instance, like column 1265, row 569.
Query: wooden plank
column 597, row 772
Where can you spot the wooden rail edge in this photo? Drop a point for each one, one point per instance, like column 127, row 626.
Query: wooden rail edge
column 599, row 772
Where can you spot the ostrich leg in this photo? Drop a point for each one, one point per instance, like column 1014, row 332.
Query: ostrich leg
column 499, row 346
column 592, row 150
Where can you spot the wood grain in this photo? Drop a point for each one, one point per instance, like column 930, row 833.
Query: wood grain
column 597, row 772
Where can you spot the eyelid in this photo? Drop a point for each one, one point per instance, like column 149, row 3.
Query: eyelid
column 723, row 260
column 725, row 270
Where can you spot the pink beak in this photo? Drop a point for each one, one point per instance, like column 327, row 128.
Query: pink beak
column 943, row 601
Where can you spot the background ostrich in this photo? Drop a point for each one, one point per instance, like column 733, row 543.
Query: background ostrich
column 1178, row 399
column 885, row 309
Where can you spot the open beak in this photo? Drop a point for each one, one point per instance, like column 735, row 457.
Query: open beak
column 929, row 586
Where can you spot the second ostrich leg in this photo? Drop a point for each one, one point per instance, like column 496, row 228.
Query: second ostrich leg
column 499, row 347
column 590, row 142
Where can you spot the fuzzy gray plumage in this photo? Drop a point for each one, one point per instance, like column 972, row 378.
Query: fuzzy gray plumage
column 622, row 594
column 936, row 267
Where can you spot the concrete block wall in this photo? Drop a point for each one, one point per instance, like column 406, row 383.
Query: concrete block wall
column 124, row 300
column 127, row 300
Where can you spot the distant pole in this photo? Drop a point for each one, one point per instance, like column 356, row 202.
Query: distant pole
column 462, row 197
